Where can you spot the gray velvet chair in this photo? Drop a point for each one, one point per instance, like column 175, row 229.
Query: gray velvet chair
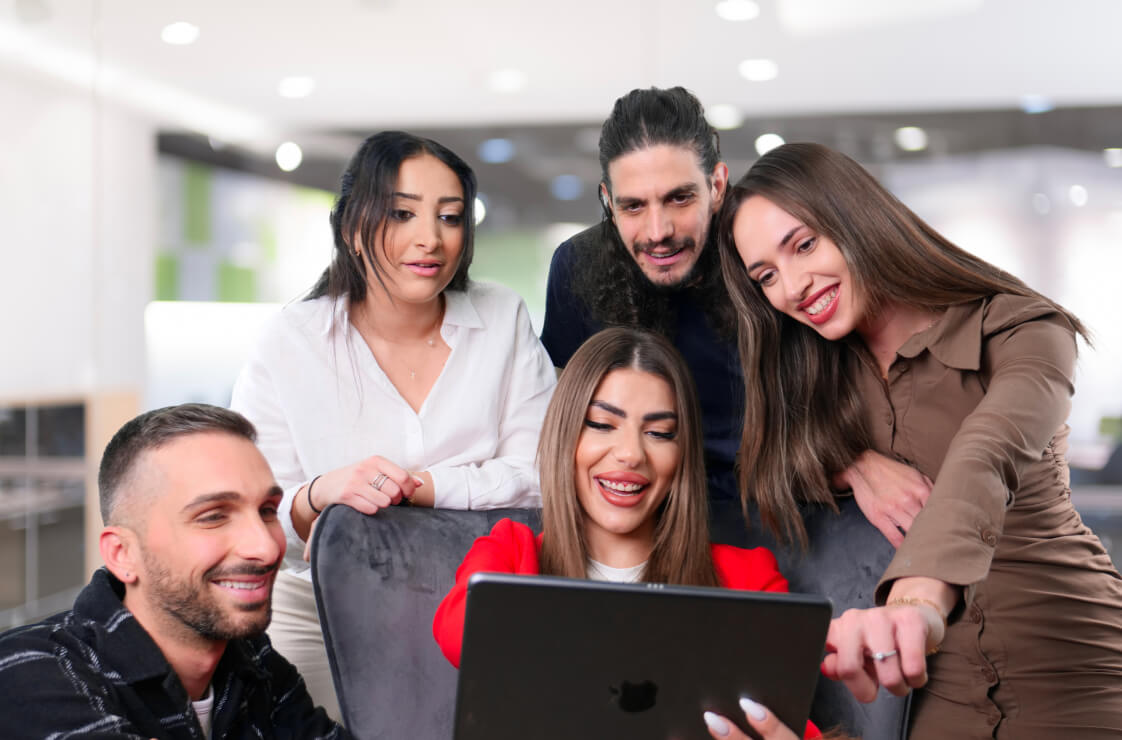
column 379, row 579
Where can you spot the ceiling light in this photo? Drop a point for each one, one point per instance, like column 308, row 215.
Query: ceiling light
column 1113, row 157
column 566, row 187
column 911, row 138
column 289, row 156
column 480, row 210
column 1033, row 104
column 180, row 33
column 758, row 70
column 508, row 80
column 1078, row 195
column 738, row 10
column 724, row 116
column 297, row 86
column 496, row 151
column 766, row 142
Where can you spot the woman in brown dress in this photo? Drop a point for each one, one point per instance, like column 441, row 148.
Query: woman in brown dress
column 861, row 327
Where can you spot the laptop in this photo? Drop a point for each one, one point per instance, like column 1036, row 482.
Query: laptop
column 560, row 659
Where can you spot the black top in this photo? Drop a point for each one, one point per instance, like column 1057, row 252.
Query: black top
column 93, row 672
column 712, row 358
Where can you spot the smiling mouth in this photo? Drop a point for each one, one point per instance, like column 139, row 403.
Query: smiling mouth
column 822, row 301
column 621, row 488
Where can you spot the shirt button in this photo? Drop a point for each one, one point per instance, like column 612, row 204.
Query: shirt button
column 989, row 537
column 989, row 674
column 975, row 615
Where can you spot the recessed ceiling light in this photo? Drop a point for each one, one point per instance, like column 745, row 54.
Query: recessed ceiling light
column 480, row 210
column 766, row 142
column 180, row 33
column 566, row 187
column 1113, row 157
column 1033, row 104
column 724, row 116
column 296, row 86
column 496, row 151
column 289, row 156
column 911, row 138
column 508, row 80
column 758, row 70
column 1078, row 195
column 738, row 10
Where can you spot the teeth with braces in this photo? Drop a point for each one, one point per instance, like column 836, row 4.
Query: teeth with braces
column 619, row 486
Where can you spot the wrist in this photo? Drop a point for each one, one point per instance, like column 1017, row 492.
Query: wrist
column 311, row 502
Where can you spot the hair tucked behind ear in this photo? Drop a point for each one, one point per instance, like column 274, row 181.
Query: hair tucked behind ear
column 681, row 539
column 803, row 418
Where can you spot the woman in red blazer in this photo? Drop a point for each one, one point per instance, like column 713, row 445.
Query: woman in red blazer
column 623, row 495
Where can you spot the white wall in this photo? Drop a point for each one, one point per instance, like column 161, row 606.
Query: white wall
column 1015, row 209
column 77, row 224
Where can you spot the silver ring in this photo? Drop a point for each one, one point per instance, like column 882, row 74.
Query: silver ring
column 884, row 656
column 377, row 482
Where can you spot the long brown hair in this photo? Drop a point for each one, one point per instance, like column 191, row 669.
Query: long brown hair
column 681, row 537
column 803, row 418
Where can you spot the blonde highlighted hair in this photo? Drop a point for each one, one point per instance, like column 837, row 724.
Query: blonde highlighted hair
column 681, row 552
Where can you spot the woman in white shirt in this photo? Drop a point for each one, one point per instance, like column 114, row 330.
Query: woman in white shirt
column 397, row 379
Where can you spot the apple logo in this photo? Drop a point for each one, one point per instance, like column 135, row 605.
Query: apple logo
column 635, row 697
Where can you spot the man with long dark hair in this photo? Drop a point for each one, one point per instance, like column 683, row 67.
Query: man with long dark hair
column 649, row 264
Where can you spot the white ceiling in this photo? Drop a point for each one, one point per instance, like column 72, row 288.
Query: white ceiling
column 427, row 63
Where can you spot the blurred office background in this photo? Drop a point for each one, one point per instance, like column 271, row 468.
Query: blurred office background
column 168, row 166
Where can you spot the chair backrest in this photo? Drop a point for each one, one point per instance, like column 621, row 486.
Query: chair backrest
column 378, row 580
column 844, row 562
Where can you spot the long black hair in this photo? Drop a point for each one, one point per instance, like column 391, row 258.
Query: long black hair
column 364, row 200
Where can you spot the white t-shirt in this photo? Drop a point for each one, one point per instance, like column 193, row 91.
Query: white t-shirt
column 203, row 709
column 597, row 571
column 320, row 402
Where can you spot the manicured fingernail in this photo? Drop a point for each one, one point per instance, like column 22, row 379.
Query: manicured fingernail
column 752, row 709
column 418, row 481
column 716, row 723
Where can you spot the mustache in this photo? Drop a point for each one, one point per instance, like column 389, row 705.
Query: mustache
column 673, row 244
column 245, row 569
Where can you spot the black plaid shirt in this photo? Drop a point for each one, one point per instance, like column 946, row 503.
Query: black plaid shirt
column 94, row 673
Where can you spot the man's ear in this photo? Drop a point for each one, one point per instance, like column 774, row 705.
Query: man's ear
column 120, row 552
column 606, row 200
column 718, row 184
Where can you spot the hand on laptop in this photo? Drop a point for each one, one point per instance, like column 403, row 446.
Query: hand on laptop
column 761, row 720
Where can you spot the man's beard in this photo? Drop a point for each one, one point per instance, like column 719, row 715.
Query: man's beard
column 675, row 246
column 194, row 606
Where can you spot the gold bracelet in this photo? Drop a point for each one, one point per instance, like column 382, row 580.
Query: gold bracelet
column 916, row 601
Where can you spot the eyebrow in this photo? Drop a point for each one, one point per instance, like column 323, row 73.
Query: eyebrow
column 616, row 411
column 444, row 199
column 688, row 187
column 782, row 242
column 223, row 497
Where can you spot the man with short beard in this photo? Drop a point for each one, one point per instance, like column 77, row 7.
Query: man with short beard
column 167, row 640
column 650, row 262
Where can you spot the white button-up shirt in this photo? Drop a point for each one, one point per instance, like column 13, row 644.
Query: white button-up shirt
column 320, row 402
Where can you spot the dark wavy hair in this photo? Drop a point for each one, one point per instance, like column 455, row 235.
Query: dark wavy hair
column 803, row 419
column 364, row 200
column 607, row 280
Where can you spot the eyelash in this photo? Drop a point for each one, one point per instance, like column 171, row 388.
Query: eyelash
column 601, row 427
column 804, row 247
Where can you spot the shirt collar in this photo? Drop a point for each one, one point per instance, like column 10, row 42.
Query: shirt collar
column 126, row 648
column 955, row 339
column 458, row 311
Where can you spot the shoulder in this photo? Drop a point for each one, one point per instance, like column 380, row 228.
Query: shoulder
column 301, row 320
column 1005, row 311
column 492, row 298
column 575, row 248
column 49, row 656
column 754, row 569
column 515, row 533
